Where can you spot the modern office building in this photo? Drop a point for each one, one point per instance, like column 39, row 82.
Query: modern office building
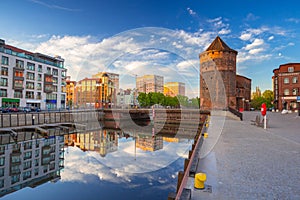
column 30, row 163
column 174, row 88
column 95, row 92
column 286, row 86
column 218, row 78
column 70, row 92
column 31, row 79
column 150, row 83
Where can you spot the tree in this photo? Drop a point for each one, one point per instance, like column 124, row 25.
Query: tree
column 267, row 97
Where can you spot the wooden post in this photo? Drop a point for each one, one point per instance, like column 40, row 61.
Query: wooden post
column 180, row 178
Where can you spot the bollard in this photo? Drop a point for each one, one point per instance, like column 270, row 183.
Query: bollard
column 205, row 135
column 200, row 178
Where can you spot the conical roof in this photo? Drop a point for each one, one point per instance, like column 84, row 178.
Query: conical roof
column 219, row 45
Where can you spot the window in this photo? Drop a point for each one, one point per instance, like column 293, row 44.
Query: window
column 29, row 95
column 3, row 93
column 295, row 79
column 18, row 94
column 3, row 82
column 20, row 64
column 290, row 69
column 2, row 161
column 4, row 60
column 27, row 155
column 4, row 71
column 30, row 66
column 55, row 80
column 40, row 69
column 286, row 80
column 1, row 172
column 2, row 183
column 39, row 77
column 27, row 165
column 26, row 175
column 30, row 85
column 37, row 152
column 286, row 92
column 54, row 88
column 48, row 70
column 39, row 86
column 19, row 73
column 55, row 72
column 30, row 76
column 39, row 95
column 295, row 91
column 18, row 84
column 15, row 179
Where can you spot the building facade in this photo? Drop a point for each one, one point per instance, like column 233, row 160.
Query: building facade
column 150, row 83
column 31, row 79
column 243, row 93
column 70, row 92
column 286, row 86
column 95, row 92
column 127, row 98
column 174, row 88
column 218, row 79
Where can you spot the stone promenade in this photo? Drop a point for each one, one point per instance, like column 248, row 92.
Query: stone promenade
column 243, row 161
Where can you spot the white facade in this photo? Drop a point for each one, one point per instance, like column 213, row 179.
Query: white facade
column 31, row 79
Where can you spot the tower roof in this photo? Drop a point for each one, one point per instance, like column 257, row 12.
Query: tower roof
column 219, row 45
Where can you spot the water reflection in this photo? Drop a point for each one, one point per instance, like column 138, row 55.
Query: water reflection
column 30, row 163
column 136, row 163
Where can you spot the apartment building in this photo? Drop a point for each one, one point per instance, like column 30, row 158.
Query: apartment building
column 286, row 86
column 173, row 89
column 97, row 92
column 70, row 92
column 31, row 79
column 30, row 163
column 150, row 83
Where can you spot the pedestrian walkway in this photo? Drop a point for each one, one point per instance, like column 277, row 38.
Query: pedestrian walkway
column 243, row 161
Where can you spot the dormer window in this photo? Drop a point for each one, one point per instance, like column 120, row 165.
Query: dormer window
column 290, row 69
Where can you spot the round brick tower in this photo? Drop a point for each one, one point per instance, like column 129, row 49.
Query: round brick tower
column 218, row 76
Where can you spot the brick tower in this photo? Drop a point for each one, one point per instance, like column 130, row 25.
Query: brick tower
column 218, row 76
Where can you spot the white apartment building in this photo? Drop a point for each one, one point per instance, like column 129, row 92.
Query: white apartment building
column 31, row 79
column 30, row 163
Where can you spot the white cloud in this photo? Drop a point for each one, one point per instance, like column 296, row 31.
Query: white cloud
column 254, row 44
column 191, row 12
column 245, row 36
column 271, row 38
column 256, row 51
column 294, row 20
column 224, row 31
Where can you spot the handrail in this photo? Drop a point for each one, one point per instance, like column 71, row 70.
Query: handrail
column 236, row 112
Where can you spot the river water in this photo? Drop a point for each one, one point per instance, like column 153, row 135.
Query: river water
column 101, row 164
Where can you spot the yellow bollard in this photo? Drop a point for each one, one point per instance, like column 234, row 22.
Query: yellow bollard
column 200, row 178
column 205, row 135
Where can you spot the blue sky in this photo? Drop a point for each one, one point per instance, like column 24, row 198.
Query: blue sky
column 114, row 35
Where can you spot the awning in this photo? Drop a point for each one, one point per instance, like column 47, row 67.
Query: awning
column 9, row 100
